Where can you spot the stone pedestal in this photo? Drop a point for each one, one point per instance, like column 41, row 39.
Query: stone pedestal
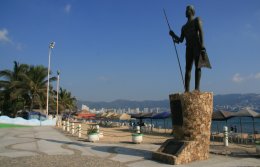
column 191, row 114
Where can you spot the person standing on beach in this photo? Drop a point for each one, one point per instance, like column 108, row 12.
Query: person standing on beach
column 193, row 34
column 231, row 129
column 235, row 129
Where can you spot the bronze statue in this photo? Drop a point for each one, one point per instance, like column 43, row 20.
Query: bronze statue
column 195, row 50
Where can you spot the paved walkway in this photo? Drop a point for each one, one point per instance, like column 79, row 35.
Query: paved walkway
column 46, row 146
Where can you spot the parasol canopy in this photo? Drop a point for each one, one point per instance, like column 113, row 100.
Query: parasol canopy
column 221, row 115
column 161, row 115
column 85, row 114
column 123, row 117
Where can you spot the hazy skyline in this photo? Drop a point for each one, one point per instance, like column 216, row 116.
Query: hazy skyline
column 108, row 50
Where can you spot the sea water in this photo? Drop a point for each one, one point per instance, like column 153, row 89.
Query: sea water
column 246, row 124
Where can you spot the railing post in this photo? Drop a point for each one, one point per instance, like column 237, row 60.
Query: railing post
column 97, row 126
column 68, row 126
column 225, row 129
column 72, row 128
column 63, row 126
column 137, row 129
column 79, row 129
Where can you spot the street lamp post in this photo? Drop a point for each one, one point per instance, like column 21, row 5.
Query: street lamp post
column 51, row 46
column 58, row 87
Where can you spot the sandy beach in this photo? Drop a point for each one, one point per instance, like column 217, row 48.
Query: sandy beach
column 123, row 134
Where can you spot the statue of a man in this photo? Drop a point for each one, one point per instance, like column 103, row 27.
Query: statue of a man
column 193, row 34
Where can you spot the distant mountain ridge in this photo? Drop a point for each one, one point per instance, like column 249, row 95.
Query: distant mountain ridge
column 220, row 100
column 237, row 99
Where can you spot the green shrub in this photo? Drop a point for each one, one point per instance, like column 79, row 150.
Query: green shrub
column 92, row 130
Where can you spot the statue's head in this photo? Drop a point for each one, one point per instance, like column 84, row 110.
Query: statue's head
column 190, row 11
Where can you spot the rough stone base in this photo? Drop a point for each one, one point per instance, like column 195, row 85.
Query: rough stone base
column 177, row 152
column 192, row 138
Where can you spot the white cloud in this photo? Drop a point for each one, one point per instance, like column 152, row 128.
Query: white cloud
column 237, row 78
column 67, row 8
column 4, row 36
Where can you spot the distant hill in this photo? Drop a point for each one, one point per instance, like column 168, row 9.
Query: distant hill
column 237, row 99
column 228, row 99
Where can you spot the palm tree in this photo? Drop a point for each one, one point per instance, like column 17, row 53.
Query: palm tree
column 1, row 101
column 11, row 103
column 34, row 85
column 66, row 101
column 26, row 86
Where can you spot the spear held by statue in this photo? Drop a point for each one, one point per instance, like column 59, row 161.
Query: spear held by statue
column 174, row 47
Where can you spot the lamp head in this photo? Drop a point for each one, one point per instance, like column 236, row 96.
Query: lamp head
column 52, row 44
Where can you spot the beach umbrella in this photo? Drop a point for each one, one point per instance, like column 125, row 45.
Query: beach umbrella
column 104, row 115
column 142, row 116
column 247, row 112
column 162, row 115
column 85, row 114
column 124, row 117
column 221, row 115
column 109, row 115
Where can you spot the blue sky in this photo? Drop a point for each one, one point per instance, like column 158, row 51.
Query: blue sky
column 117, row 49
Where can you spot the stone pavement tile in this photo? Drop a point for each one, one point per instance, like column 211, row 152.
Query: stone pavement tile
column 102, row 151
column 84, row 150
column 223, row 161
column 148, row 163
column 125, row 154
column 50, row 141
column 9, row 140
column 10, row 143
column 28, row 136
column 52, row 135
column 30, row 146
column 6, row 141
column 13, row 154
column 52, row 148
column 239, row 162
column 213, row 160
